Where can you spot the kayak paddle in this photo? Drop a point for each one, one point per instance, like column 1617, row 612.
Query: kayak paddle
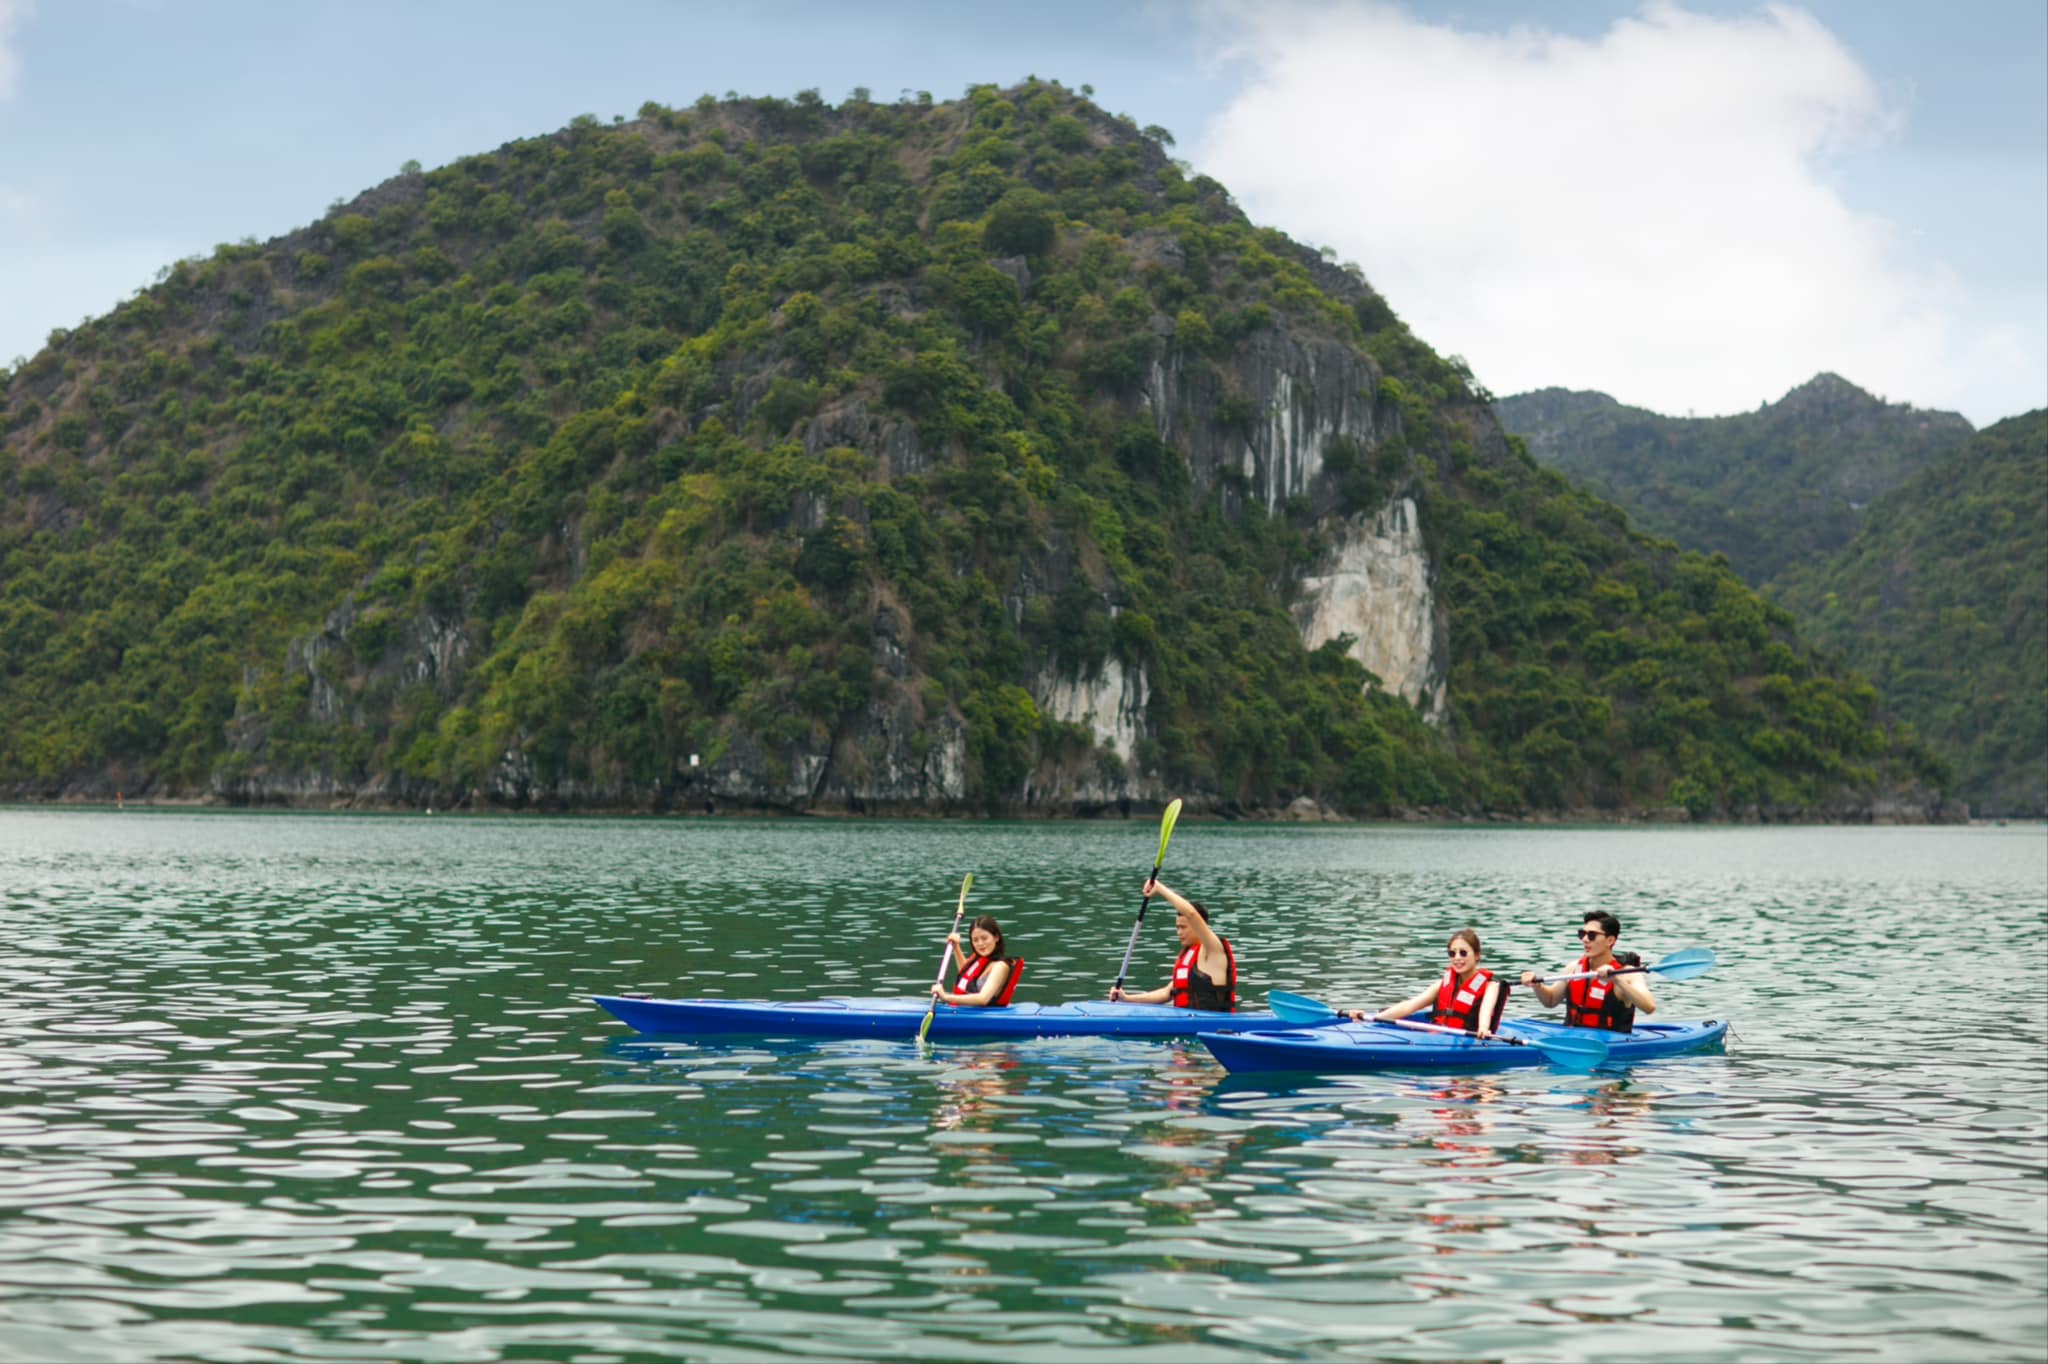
column 1166, row 823
column 1580, row 1053
column 945, row 955
column 1686, row 964
column 1293, row 1008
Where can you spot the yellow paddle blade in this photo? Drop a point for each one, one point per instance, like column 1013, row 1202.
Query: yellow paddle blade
column 1166, row 823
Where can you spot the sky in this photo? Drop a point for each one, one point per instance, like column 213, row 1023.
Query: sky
column 1693, row 207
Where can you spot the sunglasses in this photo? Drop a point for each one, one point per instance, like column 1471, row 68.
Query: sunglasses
column 1461, row 951
column 1588, row 934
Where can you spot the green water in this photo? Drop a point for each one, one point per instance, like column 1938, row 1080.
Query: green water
column 328, row 1088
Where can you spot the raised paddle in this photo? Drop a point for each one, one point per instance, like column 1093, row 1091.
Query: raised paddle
column 1580, row 1053
column 1686, row 964
column 1166, row 823
column 945, row 955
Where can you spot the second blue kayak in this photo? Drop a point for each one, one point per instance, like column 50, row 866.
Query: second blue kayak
column 1382, row 1046
column 897, row 1019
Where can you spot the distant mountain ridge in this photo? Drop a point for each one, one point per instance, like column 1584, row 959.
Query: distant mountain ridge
column 1942, row 600
column 1770, row 488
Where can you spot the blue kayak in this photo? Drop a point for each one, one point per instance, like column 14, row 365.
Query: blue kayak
column 898, row 1019
column 1383, row 1046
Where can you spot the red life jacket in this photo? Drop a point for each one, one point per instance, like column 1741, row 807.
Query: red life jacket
column 1193, row 990
column 1457, row 1006
column 974, row 970
column 1596, row 1004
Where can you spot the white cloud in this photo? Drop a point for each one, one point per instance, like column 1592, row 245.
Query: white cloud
column 12, row 12
column 1645, row 212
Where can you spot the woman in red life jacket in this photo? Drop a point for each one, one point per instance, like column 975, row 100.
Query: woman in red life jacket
column 1466, row 996
column 986, row 978
column 1205, row 972
column 1607, row 1001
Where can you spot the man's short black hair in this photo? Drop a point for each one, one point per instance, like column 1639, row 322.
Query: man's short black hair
column 1609, row 925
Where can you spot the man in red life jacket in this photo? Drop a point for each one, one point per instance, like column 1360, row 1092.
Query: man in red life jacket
column 1205, row 972
column 1606, row 1000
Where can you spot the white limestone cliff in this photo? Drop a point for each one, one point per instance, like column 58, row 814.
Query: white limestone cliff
column 1375, row 587
column 1111, row 704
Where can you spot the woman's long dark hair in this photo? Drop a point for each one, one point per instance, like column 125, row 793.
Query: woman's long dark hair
column 987, row 924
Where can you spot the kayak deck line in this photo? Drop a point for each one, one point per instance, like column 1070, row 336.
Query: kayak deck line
column 1372, row 1046
column 899, row 1018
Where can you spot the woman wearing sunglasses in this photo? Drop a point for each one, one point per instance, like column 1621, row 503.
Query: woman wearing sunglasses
column 1605, row 1000
column 1467, row 996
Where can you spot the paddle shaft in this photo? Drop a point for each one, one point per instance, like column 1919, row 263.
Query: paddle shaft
column 1166, row 823
column 1681, row 965
column 1300, row 1009
column 1588, row 975
column 946, row 952
column 1132, row 945
column 1454, row 1032
column 1565, row 1052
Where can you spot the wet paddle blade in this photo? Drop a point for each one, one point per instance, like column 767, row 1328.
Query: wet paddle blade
column 1685, row 965
column 1293, row 1008
column 924, row 1029
column 1573, row 1053
column 1166, row 823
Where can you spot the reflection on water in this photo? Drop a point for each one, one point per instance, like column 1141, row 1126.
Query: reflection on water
column 298, row 1087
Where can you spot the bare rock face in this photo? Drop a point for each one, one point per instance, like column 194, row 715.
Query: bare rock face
column 1290, row 397
column 1269, row 416
column 895, row 758
column 1110, row 704
column 1375, row 588
column 892, row 441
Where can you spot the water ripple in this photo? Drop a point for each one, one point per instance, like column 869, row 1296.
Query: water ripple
column 317, row 1088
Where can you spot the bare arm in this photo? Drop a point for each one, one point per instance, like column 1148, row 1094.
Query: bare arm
column 1548, row 995
column 1158, row 996
column 1635, row 988
column 1487, row 1004
column 1211, row 943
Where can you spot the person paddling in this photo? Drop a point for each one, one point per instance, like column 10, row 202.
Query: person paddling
column 989, row 977
column 1205, row 972
column 1467, row 996
column 1603, row 1000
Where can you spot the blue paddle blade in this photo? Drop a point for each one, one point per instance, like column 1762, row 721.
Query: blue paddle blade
column 1573, row 1053
column 1293, row 1008
column 1685, row 965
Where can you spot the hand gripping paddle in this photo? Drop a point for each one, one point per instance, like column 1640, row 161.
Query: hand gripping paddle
column 1166, row 823
column 945, row 955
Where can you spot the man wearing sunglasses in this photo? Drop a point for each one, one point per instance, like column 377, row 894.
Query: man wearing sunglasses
column 1604, row 999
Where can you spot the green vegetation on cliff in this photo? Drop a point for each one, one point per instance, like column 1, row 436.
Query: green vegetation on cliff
column 1769, row 489
column 1942, row 598
column 811, row 440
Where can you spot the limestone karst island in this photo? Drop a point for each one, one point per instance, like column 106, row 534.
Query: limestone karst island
column 906, row 457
